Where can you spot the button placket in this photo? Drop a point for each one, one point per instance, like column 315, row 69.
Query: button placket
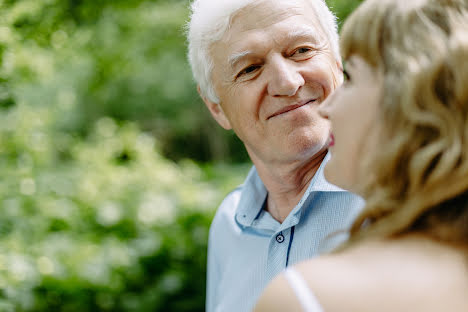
column 277, row 253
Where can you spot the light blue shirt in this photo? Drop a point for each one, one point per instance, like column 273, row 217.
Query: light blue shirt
column 247, row 247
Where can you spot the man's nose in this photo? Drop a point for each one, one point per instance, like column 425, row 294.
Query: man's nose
column 285, row 79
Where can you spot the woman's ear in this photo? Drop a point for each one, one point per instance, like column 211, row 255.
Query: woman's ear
column 216, row 111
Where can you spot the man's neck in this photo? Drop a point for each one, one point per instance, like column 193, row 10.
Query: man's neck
column 287, row 183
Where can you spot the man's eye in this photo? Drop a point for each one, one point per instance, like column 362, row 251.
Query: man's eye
column 248, row 70
column 302, row 50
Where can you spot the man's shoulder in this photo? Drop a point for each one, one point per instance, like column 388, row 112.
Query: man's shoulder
column 233, row 197
column 227, row 209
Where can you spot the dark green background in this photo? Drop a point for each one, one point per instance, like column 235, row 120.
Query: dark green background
column 111, row 167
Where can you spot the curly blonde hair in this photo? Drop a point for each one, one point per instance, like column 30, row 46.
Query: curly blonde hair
column 419, row 180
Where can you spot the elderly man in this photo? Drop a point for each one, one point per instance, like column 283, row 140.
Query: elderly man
column 263, row 67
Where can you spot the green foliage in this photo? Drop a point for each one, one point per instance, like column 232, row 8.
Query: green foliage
column 105, row 224
column 94, row 218
column 95, row 96
column 122, row 59
column 342, row 8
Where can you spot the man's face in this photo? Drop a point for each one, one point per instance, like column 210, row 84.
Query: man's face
column 271, row 71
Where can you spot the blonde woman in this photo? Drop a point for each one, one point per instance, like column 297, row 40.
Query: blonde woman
column 400, row 139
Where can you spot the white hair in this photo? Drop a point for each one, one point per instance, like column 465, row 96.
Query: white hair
column 209, row 21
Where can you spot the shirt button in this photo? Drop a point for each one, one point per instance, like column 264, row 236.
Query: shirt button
column 280, row 238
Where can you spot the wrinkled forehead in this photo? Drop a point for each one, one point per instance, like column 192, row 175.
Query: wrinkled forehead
column 264, row 13
column 263, row 25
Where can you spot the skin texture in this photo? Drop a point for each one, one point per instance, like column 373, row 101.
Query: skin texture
column 353, row 112
column 271, row 72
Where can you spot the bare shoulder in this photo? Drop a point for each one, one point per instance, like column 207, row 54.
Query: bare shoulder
column 278, row 296
column 390, row 276
column 410, row 274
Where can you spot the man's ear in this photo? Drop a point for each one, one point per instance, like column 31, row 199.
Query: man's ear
column 216, row 111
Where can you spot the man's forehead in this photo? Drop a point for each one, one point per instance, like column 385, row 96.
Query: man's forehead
column 253, row 27
column 263, row 13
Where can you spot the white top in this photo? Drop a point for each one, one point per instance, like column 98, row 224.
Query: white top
column 303, row 293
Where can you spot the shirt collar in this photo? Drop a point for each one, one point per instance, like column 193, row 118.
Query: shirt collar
column 252, row 199
column 254, row 194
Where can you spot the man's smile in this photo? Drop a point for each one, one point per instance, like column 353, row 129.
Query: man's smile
column 290, row 108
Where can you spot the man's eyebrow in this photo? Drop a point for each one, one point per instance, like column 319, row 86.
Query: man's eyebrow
column 236, row 57
column 308, row 33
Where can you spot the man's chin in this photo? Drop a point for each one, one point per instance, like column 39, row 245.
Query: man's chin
column 300, row 150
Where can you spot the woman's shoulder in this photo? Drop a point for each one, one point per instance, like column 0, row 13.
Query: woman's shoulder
column 381, row 276
column 278, row 296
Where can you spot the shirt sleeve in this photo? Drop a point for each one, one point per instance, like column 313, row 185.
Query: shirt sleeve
column 212, row 278
column 216, row 240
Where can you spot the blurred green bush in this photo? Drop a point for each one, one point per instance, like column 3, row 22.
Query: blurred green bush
column 95, row 97
column 121, row 59
column 105, row 224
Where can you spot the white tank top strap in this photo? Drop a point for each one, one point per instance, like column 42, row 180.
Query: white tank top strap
column 304, row 294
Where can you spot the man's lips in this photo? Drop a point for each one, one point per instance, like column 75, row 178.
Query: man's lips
column 289, row 108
